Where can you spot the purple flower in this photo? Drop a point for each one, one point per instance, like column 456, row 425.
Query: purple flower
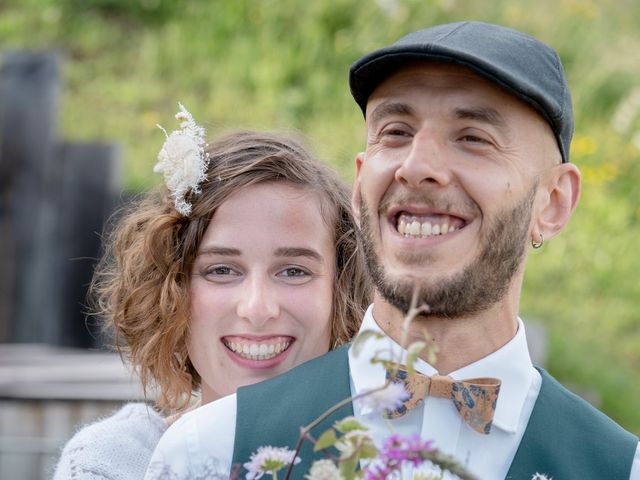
column 396, row 452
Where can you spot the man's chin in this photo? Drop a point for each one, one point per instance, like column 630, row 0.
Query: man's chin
column 424, row 277
column 398, row 290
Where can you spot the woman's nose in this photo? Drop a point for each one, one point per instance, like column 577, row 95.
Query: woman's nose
column 258, row 301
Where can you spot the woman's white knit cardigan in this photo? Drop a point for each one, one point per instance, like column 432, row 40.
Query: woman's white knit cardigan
column 118, row 447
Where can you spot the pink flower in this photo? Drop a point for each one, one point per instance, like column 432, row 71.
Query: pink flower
column 396, row 452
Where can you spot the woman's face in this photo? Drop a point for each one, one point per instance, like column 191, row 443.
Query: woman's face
column 261, row 288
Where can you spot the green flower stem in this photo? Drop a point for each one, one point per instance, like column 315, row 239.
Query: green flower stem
column 327, row 453
column 304, row 431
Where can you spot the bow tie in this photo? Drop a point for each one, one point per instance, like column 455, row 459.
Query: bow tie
column 475, row 398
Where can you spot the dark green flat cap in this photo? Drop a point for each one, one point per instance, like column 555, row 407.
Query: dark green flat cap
column 520, row 63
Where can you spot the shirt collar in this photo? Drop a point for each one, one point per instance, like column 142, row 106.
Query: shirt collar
column 511, row 363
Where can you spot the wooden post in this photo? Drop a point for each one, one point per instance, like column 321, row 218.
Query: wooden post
column 54, row 199
column 29, row 91
column 89, row 193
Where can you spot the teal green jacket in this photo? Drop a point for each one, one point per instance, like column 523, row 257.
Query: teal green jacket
column 566, row 438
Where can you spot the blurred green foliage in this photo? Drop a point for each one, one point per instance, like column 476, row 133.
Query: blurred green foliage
column 283, row 64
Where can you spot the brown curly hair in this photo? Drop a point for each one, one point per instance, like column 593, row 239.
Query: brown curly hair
column 141, row 285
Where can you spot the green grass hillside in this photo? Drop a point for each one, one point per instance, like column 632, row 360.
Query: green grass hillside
column 283, row 64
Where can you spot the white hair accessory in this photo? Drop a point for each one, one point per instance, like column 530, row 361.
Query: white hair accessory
column 183, row 161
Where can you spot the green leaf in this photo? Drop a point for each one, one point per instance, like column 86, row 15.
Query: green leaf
column 348, row 468
column 368, row 450
column 326, row 440
column 349, row 424
column 387, row 364
column 432, row 354
column 362, row 338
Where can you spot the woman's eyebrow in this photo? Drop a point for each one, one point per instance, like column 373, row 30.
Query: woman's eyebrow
column 298, row 252
column 216, row 250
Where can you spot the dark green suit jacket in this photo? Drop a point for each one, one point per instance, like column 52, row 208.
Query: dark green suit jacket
column 566, row 438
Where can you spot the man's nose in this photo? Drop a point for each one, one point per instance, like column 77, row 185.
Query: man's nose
column 426, row 163
column 258, row 303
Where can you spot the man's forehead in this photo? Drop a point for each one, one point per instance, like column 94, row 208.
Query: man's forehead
column 440, row 77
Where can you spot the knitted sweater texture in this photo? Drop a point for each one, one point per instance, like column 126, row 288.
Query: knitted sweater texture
column 118, row 447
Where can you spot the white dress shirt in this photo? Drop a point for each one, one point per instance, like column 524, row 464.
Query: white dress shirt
column 202, row 440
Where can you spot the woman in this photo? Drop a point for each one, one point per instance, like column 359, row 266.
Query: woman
column 241, row 267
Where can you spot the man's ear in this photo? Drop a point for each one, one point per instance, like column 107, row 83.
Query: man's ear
column 355, row 195
column 560, row 198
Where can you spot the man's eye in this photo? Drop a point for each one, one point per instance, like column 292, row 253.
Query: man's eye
column 474, row 139
column 394, row 132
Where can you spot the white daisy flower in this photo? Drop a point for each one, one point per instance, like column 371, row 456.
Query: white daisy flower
column 323, row 470
column 389, row 398
column 269, row 460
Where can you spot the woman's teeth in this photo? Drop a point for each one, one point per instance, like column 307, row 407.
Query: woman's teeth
column 418, row 229
column 258, row 351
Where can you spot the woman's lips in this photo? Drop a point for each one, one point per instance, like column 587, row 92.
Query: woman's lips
column 258, row 352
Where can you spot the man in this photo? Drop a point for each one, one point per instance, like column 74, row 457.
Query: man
column 466, row 165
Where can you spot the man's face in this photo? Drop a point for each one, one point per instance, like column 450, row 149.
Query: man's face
column 445, row 189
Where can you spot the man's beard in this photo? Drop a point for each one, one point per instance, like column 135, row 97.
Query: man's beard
column 474, row 289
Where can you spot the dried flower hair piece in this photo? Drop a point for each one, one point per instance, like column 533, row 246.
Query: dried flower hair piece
column 183, row 161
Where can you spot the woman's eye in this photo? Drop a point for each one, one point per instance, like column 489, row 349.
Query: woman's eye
column 294, row 275
column 294, row 272
column 219, row 271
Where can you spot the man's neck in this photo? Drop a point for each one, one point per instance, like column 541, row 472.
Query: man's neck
column 460, row 341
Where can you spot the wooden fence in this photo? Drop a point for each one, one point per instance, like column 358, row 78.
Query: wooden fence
column 46, row 394
column 54, row 199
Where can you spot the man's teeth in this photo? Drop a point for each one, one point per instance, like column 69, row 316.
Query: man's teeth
column 258, row 351
column 423, row 229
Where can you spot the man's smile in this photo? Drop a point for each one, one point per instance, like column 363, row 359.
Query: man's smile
column 420, row 221
column 411, row 225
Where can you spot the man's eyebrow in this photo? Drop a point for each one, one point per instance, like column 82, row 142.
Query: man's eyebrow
column 387, row 109
column 215, row 250
column 482, row 114
column 298, row 252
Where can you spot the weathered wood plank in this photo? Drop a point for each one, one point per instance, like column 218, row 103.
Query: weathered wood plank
column 32, row 433
column 89, row 192
column 29, row 92
column 41, row 372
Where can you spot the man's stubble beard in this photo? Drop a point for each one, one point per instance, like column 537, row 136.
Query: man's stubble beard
column 477, row 287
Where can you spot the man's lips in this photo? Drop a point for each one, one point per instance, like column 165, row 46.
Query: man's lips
column 257, row 349
column 420, row 223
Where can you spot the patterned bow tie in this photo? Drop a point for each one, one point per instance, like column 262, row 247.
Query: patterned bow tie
column 475, row 398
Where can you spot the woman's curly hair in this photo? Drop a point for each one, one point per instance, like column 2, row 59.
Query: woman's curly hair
column 141, row 285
